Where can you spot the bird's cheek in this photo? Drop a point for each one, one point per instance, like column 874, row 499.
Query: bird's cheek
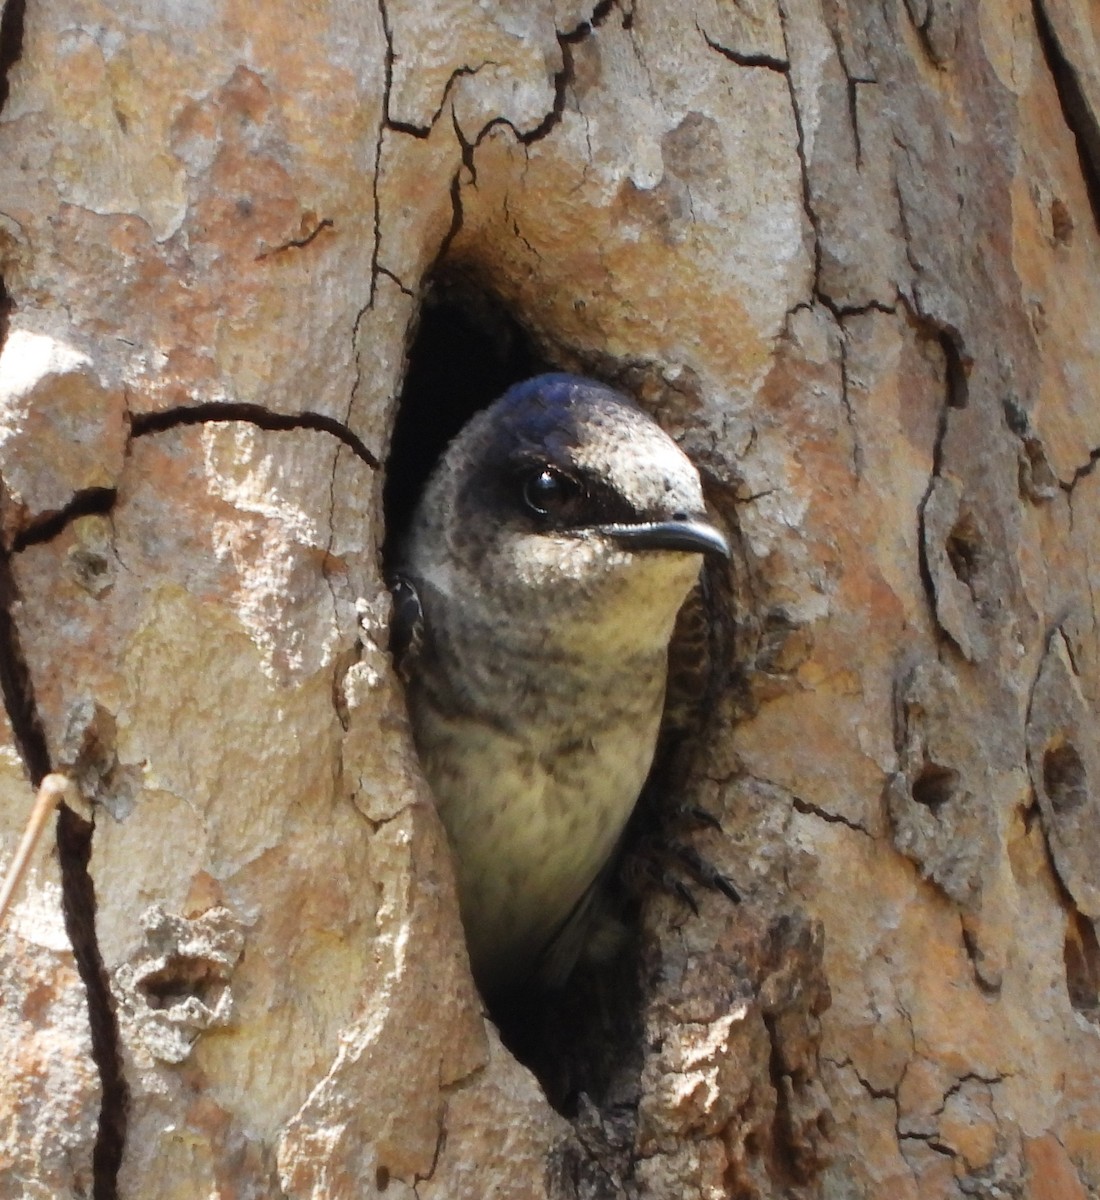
column 550, row 560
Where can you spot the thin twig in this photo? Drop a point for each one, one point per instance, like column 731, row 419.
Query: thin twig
column 51, row 792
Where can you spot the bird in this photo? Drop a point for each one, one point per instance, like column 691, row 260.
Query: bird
column 535, row 596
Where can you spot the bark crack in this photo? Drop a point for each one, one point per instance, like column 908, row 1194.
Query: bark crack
column 1081, row 472
column 15, row 683
column 6, row 306
column 391, row 275
column 806, row 807
column 957, row 365
column 74, row 843
column 456, row 221
column 563, row 78
column 814, row 810
column 11, row 42
column 46, row 526
column 146, row 423
column 74, row 834
column 743, row 59
column 989, row 984
column 876, row 1093
column 298, row 243
column 845, row 392
column 840, row 311
column 376, row 248
column 1078, row 114
column 800, row 150
column 424, row 131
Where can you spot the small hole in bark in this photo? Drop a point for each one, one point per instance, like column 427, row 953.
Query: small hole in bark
column 382, row 1178
column 957, row 369
column 181, row 978
column 468, row 350
column 964, row 549
column 1064, row 778
column 1037, row 478
column 1061, row 222
column 935, row 786
column 1082, row 961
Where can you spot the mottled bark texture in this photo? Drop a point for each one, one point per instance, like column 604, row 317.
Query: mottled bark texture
column 847, row 252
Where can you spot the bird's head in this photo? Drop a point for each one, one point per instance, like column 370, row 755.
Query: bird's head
column 565, row 500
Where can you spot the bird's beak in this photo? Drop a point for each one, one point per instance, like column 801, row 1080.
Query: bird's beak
column 689, row 535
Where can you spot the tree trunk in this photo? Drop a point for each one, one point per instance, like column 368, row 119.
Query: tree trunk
column 848, row 253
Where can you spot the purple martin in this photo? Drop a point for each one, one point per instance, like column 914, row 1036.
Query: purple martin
column 535, row 598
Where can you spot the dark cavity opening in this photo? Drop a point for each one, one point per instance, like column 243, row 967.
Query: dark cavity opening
column 184, row 976
column 956, row 369
column 935, row 786
column 1082, row 962
column 6, row 307
column 11, row 42
column 467, row 351
column 1064, row 778
column 964, row 550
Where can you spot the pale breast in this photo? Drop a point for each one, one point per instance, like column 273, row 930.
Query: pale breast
column 534, row 815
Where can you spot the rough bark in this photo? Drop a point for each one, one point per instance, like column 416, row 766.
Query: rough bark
column 848, row 252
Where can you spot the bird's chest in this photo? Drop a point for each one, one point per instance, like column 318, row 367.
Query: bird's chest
column 535, row 808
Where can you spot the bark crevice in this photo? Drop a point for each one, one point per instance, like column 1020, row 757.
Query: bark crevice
column 146, row 423
column 11, row 41
column 74, row 844
column 768, row 61
column 46, row 526
column 1079, row 116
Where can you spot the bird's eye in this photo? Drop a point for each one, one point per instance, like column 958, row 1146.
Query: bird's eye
column 548, row 492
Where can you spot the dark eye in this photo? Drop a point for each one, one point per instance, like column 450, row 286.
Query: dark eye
column 548, row 492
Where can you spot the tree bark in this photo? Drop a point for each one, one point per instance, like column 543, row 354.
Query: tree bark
column 848, row 253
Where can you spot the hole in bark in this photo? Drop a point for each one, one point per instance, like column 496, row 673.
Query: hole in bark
column 1082, row 961
column 1061, row 222
column 965, row 550
column 956, row 368
column 584, row 1043
column 182, row 977
column 1037, row 478
column 467, row 351
column 382, row 1178
column 1064, row 778
column 935, row 786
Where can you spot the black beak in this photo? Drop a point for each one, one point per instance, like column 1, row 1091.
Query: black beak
column 689, row 535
